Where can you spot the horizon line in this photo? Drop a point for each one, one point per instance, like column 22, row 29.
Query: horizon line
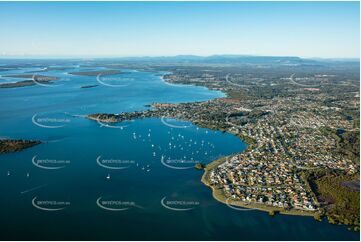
column 163, row 56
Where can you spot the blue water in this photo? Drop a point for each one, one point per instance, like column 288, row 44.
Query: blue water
column 78, row 181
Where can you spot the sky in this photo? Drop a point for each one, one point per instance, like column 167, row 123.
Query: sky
column 117, row 29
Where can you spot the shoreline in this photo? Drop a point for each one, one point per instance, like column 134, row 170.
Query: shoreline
column 164, row 80
column 219, row 196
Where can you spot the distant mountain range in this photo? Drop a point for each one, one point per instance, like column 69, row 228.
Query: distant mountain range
column 219, row 59
column 213, row 59
column 234, row 59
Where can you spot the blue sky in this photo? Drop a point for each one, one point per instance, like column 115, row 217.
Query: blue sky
column 97, row 29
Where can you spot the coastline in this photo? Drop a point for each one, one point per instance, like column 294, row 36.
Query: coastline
column 220, row 196
column 165, row 81
column 218, row 193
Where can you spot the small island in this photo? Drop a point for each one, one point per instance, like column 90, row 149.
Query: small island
column 88, row 86
column 34, row 79
column 12, row 145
